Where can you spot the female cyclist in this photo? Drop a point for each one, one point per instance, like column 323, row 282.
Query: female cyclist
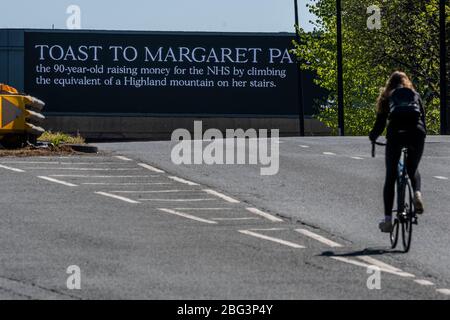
column 401, row 108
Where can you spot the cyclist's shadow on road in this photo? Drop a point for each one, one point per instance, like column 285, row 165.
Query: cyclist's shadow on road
column 364, row 252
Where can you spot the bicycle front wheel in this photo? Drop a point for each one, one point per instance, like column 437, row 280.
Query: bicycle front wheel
column 407, row 225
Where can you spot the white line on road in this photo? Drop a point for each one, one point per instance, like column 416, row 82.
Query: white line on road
column 149, row 167
column 156, row 191
column 357, row 158
column 204, row 209
column 58, row 181
column 268, row 229
column 61, row 163
column 264, row 237
column 366, row 265
column 264, row 214
column 319, row 238
column 179, row 200
column 440, row 178
column 424, row 282
column 90, row 176
column 11, row 169
column 329, row 153
column 188, row 216
column 303, row 146
column 237, row 219
column 378, row 263
column 190, row 183
column 117, row 197
column 123, row 158
column 124, row 184
column 444, row 291
column 221, row 196
column 82, row 169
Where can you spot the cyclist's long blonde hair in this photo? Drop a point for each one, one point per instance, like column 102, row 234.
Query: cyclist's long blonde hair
column 397, row 79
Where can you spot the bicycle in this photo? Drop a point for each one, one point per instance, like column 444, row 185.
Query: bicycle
column 406, row 215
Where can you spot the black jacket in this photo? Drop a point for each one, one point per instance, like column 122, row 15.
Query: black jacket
column 393, row 128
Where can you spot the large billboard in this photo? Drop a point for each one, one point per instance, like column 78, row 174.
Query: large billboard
column 167, row 74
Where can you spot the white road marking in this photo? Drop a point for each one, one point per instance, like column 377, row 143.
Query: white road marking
column 11, row 169
column 378, row 263
column 190, row 183
column 264, row 214
column 179, row 200
column 424, row 282
column 58, row 181
column 156, row 191
column 82, row 169
column 124, row 184
column 60, row 163
column 264, row 237
column 268, row 229
column 148, row 167
column 106, row 194
column 303, row 146
column 123, row 158
column 188, row 216
column 89, row 176
column 365, row 265
column 357, row 158
column 204, row 209
column 319, row 238
column 329, row 153
column 444, row 291
column 440, row 178
column 231, row 219
column 221, row 196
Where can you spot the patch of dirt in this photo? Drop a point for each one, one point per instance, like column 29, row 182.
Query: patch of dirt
column 36, row 152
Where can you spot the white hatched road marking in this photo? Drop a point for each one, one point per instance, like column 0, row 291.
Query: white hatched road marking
column 264, row 237
column 268, row 229
column 366, row 265
column 424, row 282
column 303, row 146
column 58, row 181
column 124, row 183
column 444, row 291
column 90, row 176
column 440, row 178
column 264, row 214
column 319, row 238
column 179, row 200
column 83, row 169
column 187, row 216
column 231, row 219
column 106, row 194
column 181, row 180
column 149, row 167
column 123, row 158
column 155, row 191
column 357, row 158
column 221, row 196
column 378, row 263
column 329, row 153
column 60, row 163
column 204, row 209
column 11, row 169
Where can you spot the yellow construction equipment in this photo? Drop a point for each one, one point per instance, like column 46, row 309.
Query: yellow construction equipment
column 20, row 118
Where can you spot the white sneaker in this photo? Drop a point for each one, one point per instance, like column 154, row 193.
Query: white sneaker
column 386, row 226
column 418, row 202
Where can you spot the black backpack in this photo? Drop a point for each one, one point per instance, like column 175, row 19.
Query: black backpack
column 404, row 107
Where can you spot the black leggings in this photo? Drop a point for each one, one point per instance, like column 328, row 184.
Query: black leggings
column 415, row 145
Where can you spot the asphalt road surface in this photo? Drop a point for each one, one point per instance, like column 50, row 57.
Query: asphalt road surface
column 140, row 227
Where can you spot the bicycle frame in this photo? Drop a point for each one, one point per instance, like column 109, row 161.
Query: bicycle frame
column 402, row 180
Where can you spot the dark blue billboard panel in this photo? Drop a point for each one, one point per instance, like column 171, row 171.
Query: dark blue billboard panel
column 203, row 74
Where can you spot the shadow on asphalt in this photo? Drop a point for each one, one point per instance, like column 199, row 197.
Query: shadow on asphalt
column 365, row 252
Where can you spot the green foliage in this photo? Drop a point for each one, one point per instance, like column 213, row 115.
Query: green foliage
column 408, row 40
column 58, row 138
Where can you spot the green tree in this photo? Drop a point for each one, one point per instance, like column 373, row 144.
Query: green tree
column 408, row 40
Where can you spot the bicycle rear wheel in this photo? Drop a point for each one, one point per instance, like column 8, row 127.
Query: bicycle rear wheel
column 407, row 223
